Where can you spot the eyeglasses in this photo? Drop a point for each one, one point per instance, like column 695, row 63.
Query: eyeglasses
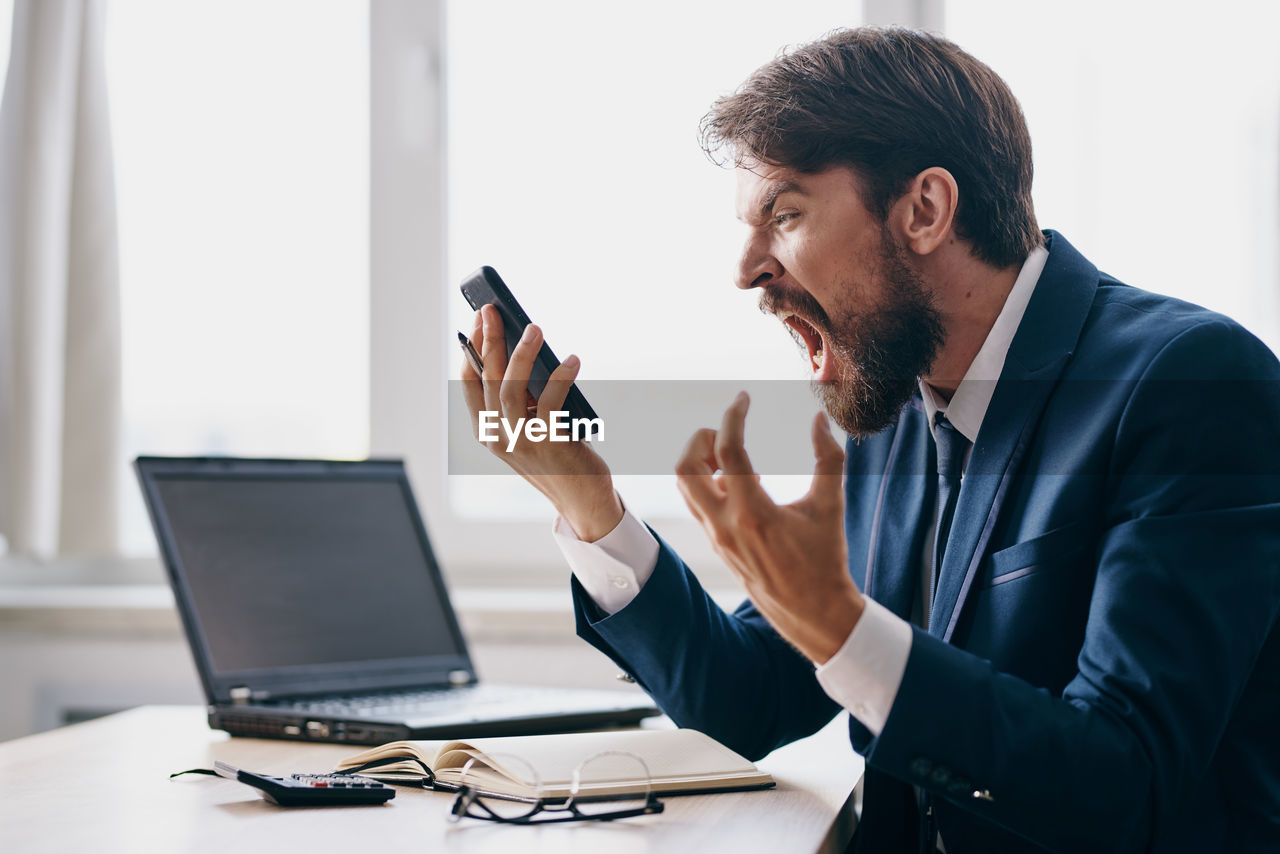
column 608, row 786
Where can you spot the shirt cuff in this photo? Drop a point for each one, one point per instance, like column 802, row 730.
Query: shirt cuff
column 613, row 568
column 864, row 676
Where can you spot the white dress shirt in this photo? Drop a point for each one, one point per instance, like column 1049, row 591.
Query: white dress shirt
column 865, row 674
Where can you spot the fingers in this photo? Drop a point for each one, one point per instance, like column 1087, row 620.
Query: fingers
column 477, row 333
column 514, row 390
column 828, row 467
column 695, row 475
column 469, row 374
column 493, row 353
column 557, row 388
column 506, row 384
column 472, row 385
column 694, row 509
column 699, row 456
column 731, row 452
column 828, row 455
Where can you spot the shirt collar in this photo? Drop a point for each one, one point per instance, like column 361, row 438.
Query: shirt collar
column 968, row 406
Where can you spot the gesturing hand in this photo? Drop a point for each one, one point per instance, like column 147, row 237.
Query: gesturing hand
column 792, row 558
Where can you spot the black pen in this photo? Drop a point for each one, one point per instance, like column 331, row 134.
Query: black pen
column 477, row 364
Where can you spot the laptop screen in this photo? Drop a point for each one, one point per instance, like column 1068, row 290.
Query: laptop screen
column 287, row 567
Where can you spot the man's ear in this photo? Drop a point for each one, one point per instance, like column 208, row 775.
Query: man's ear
column 924, row 214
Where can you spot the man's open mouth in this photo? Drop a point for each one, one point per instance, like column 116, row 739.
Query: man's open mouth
column 813, row 342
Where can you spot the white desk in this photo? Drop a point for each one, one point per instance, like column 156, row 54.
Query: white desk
column 103, row 786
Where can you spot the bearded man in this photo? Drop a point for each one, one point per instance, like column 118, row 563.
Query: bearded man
column 1043, row 576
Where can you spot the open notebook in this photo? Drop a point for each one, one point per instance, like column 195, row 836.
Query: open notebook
column 680, row 762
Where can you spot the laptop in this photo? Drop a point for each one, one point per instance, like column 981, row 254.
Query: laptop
column 316, row 610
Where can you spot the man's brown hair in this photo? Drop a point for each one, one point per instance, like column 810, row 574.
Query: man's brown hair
column 889, row 103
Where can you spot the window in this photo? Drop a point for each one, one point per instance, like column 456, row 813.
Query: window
column 244, row 182
column 575, row 171
column 1156, row 129
column 241, row 146
column 1160, row 168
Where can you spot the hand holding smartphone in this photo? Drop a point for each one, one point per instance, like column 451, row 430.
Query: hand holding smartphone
column 585, row 498
column 485, row 287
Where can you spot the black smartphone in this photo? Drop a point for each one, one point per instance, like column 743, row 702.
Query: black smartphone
column 485, row 287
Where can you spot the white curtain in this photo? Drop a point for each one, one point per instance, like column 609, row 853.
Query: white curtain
column 60, row 377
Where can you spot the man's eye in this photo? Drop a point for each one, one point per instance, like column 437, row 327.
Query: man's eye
column 784, row 217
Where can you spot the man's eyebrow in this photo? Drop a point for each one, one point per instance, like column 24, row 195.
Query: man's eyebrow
column 771, row 196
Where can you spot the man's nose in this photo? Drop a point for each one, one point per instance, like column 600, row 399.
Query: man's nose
column 757, row 266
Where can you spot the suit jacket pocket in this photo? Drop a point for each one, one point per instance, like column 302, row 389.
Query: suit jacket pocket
column 1037, row 554
column 1029, row 615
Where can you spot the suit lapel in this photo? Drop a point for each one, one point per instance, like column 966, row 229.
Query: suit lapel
column 1040, row 350
column 899, row 526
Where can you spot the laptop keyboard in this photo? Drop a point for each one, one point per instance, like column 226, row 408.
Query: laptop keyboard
column 435, row 701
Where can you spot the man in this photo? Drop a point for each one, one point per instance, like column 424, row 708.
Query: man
column 1043, row 575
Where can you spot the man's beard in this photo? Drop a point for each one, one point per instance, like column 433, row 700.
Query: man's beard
column 880, row 353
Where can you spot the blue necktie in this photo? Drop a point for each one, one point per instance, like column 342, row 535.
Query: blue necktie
column 951, row 449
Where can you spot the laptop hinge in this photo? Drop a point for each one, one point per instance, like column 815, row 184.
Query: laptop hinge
column 241, row 695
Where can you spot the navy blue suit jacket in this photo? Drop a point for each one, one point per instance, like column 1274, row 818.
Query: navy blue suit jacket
column 1104, row 658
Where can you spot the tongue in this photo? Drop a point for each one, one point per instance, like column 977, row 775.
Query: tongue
column 824, row 367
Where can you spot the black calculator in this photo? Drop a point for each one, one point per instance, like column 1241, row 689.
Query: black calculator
column 311, row 790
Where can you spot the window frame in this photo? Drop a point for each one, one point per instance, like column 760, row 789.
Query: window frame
column 409, row 294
